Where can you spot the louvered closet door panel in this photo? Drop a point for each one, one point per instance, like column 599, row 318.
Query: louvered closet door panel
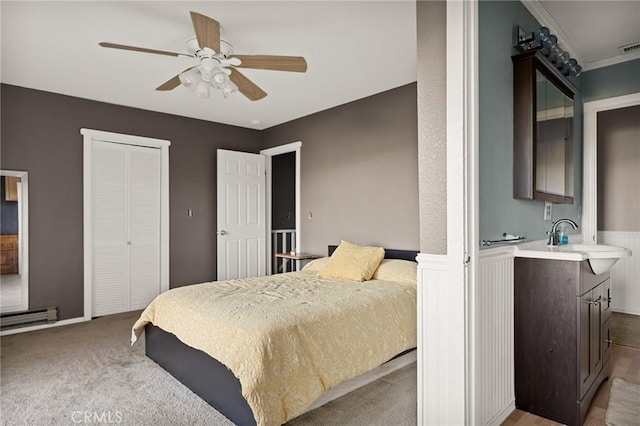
column 144, row 220
column 109, row 227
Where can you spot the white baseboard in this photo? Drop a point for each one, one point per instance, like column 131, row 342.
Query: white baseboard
column 501, row 416
column 624, row 311
column 43, row 326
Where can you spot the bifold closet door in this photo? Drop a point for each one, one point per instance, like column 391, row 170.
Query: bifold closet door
column 125, row 227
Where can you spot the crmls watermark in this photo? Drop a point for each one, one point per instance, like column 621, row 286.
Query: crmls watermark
column 96, row 417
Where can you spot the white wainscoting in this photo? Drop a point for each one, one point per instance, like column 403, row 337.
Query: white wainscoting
column 625, row 276
column 436, row 400
column 492, row 395
column 493, row 354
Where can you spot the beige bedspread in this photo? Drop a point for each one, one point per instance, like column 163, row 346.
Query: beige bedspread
column 290, row 337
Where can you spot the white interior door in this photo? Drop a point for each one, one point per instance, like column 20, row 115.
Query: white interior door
column 241, row 186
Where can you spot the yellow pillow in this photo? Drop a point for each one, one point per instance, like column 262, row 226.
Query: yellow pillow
column 401, row 271
column 315, row 265
column 352, row 262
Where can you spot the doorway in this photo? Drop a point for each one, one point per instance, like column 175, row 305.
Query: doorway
column 283, row 205
column 612, row 200
column 283, row 210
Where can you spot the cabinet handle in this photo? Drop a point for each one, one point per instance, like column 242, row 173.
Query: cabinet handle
column 608, row 299
column 595, row 302
column 608, row 341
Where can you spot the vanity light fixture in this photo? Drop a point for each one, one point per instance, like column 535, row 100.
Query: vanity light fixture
column 542, row 39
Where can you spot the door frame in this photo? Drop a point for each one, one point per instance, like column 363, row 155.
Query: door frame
column 89, row 136
column 269, row 153
column 590, row 164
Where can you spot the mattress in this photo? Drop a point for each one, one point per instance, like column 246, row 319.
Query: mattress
column 289, row 338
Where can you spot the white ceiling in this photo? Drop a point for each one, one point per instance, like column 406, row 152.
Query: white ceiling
column 591, row 31
column 354, row 49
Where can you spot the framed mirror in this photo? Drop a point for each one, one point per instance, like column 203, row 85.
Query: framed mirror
column 14, row 238
column 554, row 142
column 543, row 163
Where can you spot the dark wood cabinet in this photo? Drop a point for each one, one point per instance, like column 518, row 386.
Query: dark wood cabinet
column 11, row 188
column 8, row 254
column 561, row 337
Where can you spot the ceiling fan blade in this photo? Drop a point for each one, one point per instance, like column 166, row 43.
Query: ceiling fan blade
column 172, row 83
column 275, row 63
column 246, row 86
column 207, row 31
column 139, row 49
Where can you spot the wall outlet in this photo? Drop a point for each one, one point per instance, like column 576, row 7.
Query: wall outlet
column 548, row 207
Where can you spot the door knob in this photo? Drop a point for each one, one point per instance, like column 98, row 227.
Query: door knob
column 222, row 232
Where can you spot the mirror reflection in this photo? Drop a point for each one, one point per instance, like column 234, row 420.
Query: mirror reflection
column 14, row 291
column 554, row 142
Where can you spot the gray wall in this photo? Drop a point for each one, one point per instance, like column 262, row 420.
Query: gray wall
column 499, row 211
column 432, row 125
column 359, row 171
column 619, row 170
column 607, row 82
column 41, row 134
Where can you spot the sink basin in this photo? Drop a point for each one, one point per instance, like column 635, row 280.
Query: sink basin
column 601, row 257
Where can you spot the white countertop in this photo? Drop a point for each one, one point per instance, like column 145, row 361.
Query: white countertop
column 540, row 250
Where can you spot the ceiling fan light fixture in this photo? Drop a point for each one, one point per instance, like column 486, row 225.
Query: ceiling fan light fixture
column 229, row 90
column 193, row 81
column 220, row 78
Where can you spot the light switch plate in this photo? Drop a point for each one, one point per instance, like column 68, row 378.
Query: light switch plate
column 548, row 207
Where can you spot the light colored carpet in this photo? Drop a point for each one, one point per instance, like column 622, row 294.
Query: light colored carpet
column 624, row 404
column 61, row 375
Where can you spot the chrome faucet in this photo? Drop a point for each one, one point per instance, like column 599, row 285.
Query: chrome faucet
column 553, row 234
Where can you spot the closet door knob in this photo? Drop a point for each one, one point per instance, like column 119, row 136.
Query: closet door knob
column 222, row 232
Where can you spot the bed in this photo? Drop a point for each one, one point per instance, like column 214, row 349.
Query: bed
column 288, row 367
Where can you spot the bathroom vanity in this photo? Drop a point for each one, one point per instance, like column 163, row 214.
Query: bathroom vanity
column 561, row 337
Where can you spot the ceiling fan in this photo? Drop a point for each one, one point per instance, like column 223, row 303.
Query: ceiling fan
column 218, row 66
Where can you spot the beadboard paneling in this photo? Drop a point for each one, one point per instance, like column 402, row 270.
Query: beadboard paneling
column 494, row 390
column 625, row 276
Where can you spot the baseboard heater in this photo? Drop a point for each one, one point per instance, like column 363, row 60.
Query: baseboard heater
column 30, row 317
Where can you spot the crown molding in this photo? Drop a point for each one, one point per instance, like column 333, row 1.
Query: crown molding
column 540, row 13
column 610, row 61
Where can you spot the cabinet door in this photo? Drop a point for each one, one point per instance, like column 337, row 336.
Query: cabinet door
column 11, row 188
column 595, row 331
column 590, row 325
column 584, row 323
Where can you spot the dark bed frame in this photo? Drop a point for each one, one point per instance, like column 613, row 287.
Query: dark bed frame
column 207, row 377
